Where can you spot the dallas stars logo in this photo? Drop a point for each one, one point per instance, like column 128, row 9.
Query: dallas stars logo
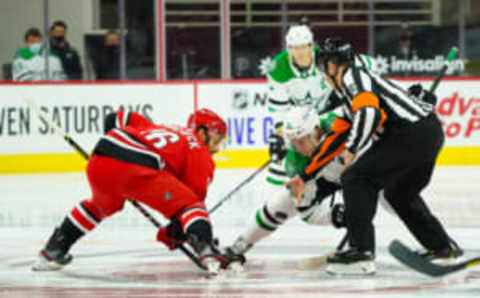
column 267, row 65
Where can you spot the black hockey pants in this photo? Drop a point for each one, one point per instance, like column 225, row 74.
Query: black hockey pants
column 401, row 163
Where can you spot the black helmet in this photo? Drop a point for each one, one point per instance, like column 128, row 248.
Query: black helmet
column 336, row 50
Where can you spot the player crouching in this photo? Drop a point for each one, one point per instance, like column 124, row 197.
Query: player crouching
column 167, row 168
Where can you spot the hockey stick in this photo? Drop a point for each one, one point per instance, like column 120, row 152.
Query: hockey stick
column 45, row 116
column 321, row 261
column 409, row 258
column 342, row 243
column 451, row 55
column 229, row 195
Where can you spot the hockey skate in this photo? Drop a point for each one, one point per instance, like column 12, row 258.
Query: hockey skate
column 445, row 256
column 54, row 256
column 351, row 261
column 215, row 260
column 239, row 248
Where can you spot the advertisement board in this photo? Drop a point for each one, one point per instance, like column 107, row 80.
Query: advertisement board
column 29, row 145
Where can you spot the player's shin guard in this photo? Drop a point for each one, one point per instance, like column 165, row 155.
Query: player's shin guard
column 55, row 253
column 262, row 225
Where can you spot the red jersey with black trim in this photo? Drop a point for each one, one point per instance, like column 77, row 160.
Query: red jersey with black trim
column 171, row 148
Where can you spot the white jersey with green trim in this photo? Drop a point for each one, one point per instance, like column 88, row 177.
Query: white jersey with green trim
column 29, row 66
column 289, row 86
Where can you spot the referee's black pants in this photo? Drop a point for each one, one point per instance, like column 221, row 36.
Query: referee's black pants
column 401, row 163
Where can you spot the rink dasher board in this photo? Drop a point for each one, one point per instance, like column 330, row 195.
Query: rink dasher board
column 30, row 146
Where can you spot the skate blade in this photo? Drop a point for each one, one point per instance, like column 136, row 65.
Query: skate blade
column 44, row 265
column 358, row 268
column 235, row 267
column 213, row 268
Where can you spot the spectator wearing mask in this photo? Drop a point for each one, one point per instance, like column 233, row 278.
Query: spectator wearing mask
column 67, row 54
column 29, row 62
column 108, row 66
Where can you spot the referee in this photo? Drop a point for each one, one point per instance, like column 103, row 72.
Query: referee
column 408, row 138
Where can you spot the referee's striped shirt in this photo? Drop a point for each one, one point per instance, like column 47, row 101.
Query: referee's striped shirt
column 372, row 100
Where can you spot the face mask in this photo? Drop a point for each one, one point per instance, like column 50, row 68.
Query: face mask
column 59, row 39
column 35, row 47
column 112, row 49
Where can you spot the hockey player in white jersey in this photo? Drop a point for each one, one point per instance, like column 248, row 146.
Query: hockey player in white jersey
column 293, row 81
column 321, row 204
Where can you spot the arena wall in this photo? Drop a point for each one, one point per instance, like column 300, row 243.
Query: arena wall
column 30, row 146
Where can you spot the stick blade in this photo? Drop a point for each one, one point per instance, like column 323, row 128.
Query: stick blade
column 313, row 263
column 410, row 259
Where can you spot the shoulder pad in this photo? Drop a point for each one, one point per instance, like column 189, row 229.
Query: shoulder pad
column 281, row 70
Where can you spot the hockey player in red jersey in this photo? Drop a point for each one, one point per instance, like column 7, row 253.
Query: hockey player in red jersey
column 165, row 167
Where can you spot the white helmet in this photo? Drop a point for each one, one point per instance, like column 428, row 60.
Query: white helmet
column 300, row 122
column 299, row 35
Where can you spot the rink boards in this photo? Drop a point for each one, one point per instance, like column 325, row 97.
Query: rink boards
column 30, row 146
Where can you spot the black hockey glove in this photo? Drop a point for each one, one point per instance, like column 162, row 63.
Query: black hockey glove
column 338, row 216
column 172, row 235
column 422, row 94
column 276, row 147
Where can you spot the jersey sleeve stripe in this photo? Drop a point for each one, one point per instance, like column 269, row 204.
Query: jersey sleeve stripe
column 321, row 162
column 126, row 118
column 365, row 99
column 356, row 132
column 399, row 102
column 372, row 117
column 116, row 149
column 363, row 128
column 128, row 138
column 331, row 147
column 347, row 79
column 357, row 80
column 408, row 102
column 117, row 119
column 269, row 216
column 366, row 80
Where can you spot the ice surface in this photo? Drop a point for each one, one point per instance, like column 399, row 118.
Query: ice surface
column 121, row 259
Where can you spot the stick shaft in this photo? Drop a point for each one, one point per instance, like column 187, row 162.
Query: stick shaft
column 248, row 179
column 342, row 243
column 44, row 115
column 451, row 55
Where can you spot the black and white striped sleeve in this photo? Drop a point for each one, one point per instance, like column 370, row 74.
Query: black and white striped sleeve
column 365, row 107
column 356, row 80
column 365, row 122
